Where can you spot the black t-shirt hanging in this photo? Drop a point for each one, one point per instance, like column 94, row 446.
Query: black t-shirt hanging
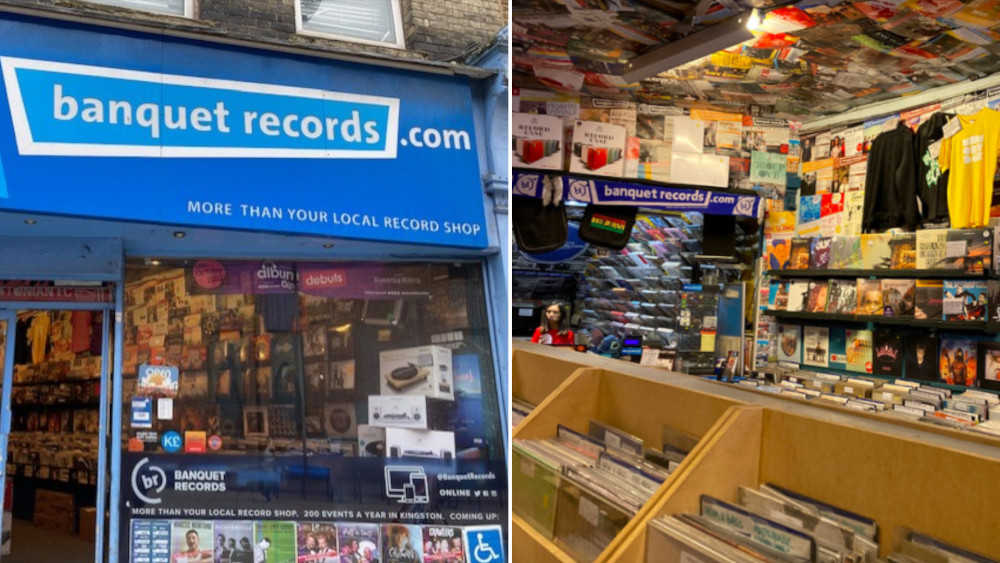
column 932, row 185
column 890, row 182
column 22, row 352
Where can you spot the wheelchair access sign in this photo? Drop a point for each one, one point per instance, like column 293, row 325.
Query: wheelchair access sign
column 484, row 544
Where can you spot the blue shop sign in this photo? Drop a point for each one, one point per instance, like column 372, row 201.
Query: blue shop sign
column 126, row 126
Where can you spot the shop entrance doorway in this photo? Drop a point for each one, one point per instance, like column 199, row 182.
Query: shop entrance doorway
column 54, row 428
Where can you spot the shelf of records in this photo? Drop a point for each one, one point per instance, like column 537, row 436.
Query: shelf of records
column 926, row 253
column 917, row 302
column 69, row 458
column 77, row 369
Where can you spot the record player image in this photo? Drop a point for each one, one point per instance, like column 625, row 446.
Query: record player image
column 424, row 370
column 410, row 374
column 425, row 444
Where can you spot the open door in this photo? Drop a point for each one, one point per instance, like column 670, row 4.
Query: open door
column 6, row 357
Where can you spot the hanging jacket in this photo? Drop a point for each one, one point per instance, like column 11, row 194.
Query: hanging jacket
column 891, row 182
column 932, row 184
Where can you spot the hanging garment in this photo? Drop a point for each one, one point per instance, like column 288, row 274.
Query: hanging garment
column 932, row 184
column 81, row 321
column 38, row 336
column 971, row 157
column 891, row 182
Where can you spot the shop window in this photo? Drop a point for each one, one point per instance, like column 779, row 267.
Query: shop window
column 184, row 8
column 248, row 382
column 375, row 22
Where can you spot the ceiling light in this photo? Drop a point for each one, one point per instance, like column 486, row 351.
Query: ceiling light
column 327, row 245
column 179, row 234
column 719, row 37
column 30, row 221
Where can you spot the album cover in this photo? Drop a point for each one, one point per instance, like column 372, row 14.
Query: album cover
column 958, row 361
column 903, row 252
column 789, row 343
column 876, row 254
column 191, row 540
column 778, row 253
column 816, row 297
column 401, row 543
column 314, row 341
column 799, row 254
column 898, row 297
column 317, row 543
column 929, row 299
column 964, row 300
column 281, row 540
column 816, row 346
column 838, row 348
column 842, row 297
column 887, row 353
column 859, row 350
column 931, row 248
column 359, row 538
column 340, row 420
column 993, row 305
column 777, row 296
column 233, row 537
column 989, row 365
column 798, row 293
column 819, row 253
column 869, row 297
column 969, row 250
column 341, row 376
column 921, row 356
column 845, row 253
column 443, row 544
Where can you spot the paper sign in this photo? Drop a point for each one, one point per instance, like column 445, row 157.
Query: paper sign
column 165, row 409
column 768, row 168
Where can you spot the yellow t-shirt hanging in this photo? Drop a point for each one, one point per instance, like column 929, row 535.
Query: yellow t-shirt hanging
column 971, row 155
column 38, row 335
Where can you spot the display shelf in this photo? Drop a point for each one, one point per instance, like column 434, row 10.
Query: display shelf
column 896, row 471
column 60, row 382
column 535, row 375
column 56, row 406
column 896, row 321
column 637, row 405
column 916, row 274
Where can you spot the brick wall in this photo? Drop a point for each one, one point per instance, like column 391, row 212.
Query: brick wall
column 434, row 30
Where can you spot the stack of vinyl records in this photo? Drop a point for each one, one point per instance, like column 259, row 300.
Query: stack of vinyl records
column 581, row 490
column 775, row 524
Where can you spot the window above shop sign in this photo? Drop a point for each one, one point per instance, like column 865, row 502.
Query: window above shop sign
column 376, row 22
column 183, row 8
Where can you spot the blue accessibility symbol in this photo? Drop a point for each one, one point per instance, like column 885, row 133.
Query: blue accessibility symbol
column 484, row 544
column 172, row 441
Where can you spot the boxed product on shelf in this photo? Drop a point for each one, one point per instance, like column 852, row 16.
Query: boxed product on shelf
column 422, row 444
column 423, row 370
column 408, row 411
column 537, row 141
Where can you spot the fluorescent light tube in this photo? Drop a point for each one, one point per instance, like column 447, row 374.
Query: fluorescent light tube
column 693, row 47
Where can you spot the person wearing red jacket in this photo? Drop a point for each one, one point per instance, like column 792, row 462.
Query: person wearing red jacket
column 555, row 328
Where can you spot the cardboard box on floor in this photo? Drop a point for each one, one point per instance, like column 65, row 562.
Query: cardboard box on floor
column 88, row 523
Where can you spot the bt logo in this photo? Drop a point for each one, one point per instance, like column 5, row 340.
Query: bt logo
column 172, row 441
column 148, row 480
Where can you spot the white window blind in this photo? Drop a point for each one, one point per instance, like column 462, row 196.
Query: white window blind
column 369, row 20
column 173, row 7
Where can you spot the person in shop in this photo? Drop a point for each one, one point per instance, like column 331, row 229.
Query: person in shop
column 555, row 328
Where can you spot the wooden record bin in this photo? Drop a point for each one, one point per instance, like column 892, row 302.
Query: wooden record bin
column 637, row 405
column 900, row 478
column 536, row 371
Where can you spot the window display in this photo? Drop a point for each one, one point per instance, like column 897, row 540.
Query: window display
column 298, row 401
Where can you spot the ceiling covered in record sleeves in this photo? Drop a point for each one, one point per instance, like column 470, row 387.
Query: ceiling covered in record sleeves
column 804, row 60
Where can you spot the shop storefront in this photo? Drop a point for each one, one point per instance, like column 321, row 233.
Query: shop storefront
column 250, row 297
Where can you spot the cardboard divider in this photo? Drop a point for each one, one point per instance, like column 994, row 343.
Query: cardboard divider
column 636, row 405
column 535, row 374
